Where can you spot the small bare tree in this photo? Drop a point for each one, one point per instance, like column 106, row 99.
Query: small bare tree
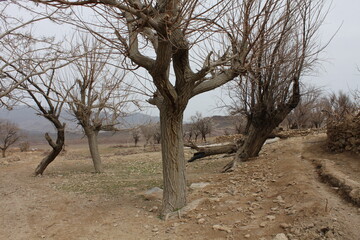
column 9, row 134
column 136, row 136
column 157, row 134
column 148, row 132
column 307, row 108
column 339, row 106
column 99, row 96
column 202, row 126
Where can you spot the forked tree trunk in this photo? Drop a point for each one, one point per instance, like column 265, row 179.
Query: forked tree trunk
column 56, row 149
column 3, row 150
column 94, row 149
column 174, row 176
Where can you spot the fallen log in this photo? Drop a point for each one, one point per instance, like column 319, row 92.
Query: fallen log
column 211, row 150
column 228, row 148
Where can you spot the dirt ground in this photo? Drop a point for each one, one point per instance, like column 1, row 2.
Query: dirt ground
column 278, row 192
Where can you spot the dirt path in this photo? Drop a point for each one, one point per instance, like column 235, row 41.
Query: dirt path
column 279, row 192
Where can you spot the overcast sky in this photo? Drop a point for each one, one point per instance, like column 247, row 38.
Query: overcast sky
column 338, row 69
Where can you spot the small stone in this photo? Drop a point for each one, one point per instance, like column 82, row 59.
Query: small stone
column 222, row 228
column 263, row 224
column 270, row 217
column 155, row 229
column 153, row 194
column 284, row 225
column 198, row 185
column 201, row 221
column 280, row 236
column 247, row 235
column 153, row 209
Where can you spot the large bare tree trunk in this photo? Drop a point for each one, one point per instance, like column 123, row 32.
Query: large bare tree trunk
column 174, row 176
column 251, row 146
column 94, row 149
column 3, row 152
column 56, row 149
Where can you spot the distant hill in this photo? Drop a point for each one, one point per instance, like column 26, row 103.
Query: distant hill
column 222, row 124
column 28, row 120
column 35, row 126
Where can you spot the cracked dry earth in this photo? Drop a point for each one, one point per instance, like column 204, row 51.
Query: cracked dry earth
column 275, row 196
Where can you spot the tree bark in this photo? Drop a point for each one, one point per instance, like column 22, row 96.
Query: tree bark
column 94, row 149
column 174, row 175
column 211, row 150
column 56, row 149
column 251, row 146
column 3, row 152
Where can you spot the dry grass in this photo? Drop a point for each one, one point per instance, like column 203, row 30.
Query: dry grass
column 127, row 170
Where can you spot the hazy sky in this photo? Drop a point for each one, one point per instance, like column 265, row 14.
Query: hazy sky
column 338, row 69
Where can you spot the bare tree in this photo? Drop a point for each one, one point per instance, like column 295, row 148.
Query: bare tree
column 159, row 37
column 307, row 108
column 284, row 48
column 99, row 95
column 9, row 134
column 157, row 134
column 48, row 101
column 147, row 131
column 339, row 106
column 135, row 135
column 202, row 126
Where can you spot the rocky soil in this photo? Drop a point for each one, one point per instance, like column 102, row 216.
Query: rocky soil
column 277, row 196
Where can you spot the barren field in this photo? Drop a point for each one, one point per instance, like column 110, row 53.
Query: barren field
column 278, row 195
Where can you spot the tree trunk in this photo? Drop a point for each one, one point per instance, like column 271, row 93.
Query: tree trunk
column 3, row 152
column 94, row 149
column 56, row 149
column 211, row 150
column 252, row 145
column 173, row 160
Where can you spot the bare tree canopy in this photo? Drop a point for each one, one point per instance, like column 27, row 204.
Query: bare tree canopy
column 9, row 134
column 201, row 125
column 190, row 47
column 23, row 53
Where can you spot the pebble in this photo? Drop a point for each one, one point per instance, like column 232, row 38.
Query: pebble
column 247, row 235
column 270, row 217
column 201, row 221
column 280, row 236
column 153, row 209
column 284, row 225
column 222, row 228
column 263, row 224
column 155, row 229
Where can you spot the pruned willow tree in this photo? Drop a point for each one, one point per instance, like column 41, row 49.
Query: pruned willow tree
column 43, row 94
column 98, row 96
column 284, row 48
column 187, row 48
